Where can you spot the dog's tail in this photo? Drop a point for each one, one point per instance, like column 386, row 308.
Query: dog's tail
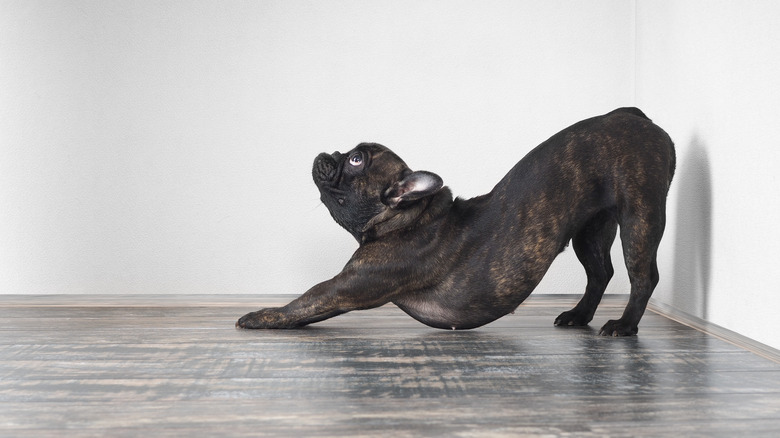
column 631, row 110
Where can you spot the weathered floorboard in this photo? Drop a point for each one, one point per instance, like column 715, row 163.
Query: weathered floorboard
column 172, row 366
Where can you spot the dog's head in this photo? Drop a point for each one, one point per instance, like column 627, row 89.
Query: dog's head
column 370, row 190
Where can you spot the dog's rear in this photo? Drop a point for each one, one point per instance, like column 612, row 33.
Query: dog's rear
column 636, row 193
column 666, row 144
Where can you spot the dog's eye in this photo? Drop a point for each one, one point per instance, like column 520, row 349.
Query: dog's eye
column 356, row 160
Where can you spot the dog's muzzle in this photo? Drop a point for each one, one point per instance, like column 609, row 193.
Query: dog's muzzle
column 325, row 168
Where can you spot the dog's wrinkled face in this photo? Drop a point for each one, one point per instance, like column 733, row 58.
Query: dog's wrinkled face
column 366, row 183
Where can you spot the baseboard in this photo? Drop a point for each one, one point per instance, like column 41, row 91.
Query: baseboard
column 715, row 330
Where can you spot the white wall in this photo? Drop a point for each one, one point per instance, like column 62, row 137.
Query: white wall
column 165, row 147
column 708, row 72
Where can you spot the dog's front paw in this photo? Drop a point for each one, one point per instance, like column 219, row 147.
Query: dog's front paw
column 618, row 327
column 262, row 319
column 573, row 318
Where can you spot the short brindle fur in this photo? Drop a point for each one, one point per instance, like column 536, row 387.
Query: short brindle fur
column 460, row 264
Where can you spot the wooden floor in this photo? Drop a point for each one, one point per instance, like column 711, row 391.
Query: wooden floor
column 176, row 366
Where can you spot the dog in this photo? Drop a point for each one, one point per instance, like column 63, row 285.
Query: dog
column 459, row 264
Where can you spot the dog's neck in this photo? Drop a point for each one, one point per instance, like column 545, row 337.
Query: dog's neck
column 417, row 214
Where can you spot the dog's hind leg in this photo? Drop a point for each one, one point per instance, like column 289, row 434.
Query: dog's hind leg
column 592, row 245
column 640, row 235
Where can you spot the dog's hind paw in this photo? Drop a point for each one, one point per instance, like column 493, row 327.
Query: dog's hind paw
column 573, row 318
column 617, row 327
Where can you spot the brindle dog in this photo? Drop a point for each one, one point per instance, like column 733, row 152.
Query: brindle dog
column 459, row 264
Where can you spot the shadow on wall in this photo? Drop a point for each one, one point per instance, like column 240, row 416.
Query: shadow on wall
column 692, row 251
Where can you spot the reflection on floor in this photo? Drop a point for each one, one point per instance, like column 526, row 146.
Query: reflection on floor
column 176, row 366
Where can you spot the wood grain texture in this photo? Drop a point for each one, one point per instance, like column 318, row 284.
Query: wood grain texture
column 175, row 366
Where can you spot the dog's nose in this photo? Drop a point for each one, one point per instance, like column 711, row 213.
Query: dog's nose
column 324, row 168
column 336, row 155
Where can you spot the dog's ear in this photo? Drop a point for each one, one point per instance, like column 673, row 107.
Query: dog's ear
column 414, row 186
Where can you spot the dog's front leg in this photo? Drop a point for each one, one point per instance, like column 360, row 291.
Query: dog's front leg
column 310, row 307
column 342, row 294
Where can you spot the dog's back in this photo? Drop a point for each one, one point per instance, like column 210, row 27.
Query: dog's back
column 577, row 186
column 598, row 163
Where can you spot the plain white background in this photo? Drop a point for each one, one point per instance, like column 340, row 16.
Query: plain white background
column 166, row 147
column 708, row 72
